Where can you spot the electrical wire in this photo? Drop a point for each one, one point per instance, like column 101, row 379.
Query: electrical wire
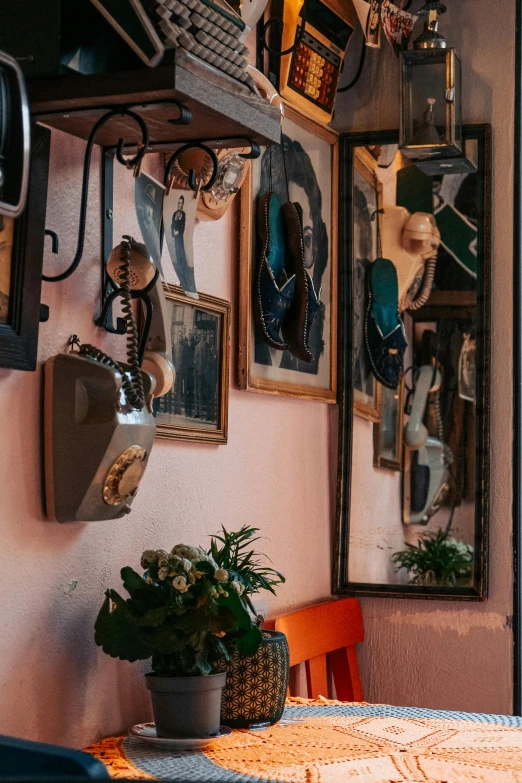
column 360, row 67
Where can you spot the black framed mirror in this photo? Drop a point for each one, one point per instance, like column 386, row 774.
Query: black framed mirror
column 412, row 502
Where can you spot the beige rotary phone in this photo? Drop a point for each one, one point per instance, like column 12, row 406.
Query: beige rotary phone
column 98, row 422
column 411, row 242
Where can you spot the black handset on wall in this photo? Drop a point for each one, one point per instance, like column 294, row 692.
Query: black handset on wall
column 98, row 422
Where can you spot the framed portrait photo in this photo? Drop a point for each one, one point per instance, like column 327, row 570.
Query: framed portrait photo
column 196, row 408
column 303, row 169
column 366, row 201
column 387, row 432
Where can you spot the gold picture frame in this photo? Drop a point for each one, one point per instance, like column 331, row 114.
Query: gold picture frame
column 196, row 408
column 381, row 456
column 365, row 249
column 307, row 136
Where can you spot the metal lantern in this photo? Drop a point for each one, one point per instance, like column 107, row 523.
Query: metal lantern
column 431, row 116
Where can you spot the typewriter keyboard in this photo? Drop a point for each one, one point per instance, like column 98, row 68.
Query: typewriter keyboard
column 205, row 30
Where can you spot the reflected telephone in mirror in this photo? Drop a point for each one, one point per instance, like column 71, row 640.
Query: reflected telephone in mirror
column 426, row 458
column 98, row 422
column 14, row 138
column 308, row 75
column 411, row 242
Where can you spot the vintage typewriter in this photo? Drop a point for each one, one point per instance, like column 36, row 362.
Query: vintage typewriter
column 206, row 30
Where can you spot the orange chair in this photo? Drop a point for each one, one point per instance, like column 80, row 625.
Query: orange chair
column 333, row 628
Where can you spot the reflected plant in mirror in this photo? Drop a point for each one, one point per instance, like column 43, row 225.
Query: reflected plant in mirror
column 414, row 371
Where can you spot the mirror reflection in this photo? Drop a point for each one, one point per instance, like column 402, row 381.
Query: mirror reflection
column 415, row 510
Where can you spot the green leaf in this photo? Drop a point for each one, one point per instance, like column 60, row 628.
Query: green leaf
column 168, row 639
column 117, row 630
column 154, row 617
column 132, row 580
column 234, row 603
column 248, row 644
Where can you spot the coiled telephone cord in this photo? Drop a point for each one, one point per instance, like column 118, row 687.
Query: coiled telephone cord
column 427, row 284
column 132, row 381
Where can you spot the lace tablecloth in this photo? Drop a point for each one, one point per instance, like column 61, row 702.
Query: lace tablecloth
column 339, row 742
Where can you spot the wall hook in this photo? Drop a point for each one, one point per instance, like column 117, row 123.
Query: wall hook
column 192, row 173
column 255, row 151
column 55, row 240
column 85, row 182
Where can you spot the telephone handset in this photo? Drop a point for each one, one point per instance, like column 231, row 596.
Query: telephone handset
column 98, row 421
column 426, row 458
column 411, row 242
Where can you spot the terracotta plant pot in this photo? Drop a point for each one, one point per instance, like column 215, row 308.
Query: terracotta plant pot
column 256, row 687
column 186, row 706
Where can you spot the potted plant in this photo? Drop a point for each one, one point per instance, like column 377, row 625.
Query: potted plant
column 257, row 685
column 437, row 560
column 187, row 613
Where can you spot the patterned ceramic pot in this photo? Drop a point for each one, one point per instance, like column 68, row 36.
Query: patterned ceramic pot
column 256, row 687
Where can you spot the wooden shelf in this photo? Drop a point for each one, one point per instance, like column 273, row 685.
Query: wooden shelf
column 220, row 109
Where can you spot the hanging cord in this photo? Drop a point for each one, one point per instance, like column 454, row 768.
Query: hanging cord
column 427, row 284
column 359, row 71
column 284, row 164
column 298, row 36
column 129, row 162
column 133, row 385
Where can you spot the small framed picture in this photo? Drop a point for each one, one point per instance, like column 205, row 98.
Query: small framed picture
column 196, row 408
column 304, row 169
column 366, row 201
column 387, row 432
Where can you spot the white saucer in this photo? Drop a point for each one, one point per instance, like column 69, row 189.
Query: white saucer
column 147, row 733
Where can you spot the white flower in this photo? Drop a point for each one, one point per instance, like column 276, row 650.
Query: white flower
column 220, row 634
column 180, row 583
column 148, row 557
column 161, row 553
column 190, row 552
column 163, row 573
column 187, row 564
column 150, row 580
column 221, row 575
column 238, row 587
column 163, row 561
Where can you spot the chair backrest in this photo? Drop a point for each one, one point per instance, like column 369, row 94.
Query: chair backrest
column 332, row 629
column 21, row 759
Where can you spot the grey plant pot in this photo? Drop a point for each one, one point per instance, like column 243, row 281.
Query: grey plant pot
column 186, row 706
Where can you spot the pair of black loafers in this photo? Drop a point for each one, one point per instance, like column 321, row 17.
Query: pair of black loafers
column 285, row 301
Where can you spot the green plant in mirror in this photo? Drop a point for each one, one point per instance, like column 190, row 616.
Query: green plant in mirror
column 233, row 551
column 187, row 612
column 436, row 560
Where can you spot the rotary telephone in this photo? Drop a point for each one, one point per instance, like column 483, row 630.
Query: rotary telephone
column 98, row 422
column 411, row 242
column 426, row 458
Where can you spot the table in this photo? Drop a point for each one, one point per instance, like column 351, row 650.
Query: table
column 338, row 742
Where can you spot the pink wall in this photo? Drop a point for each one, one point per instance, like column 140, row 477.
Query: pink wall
column 275, row 472
column 433, row 653
column 55, row 684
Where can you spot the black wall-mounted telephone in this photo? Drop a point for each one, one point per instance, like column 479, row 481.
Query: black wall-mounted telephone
column 98, row 422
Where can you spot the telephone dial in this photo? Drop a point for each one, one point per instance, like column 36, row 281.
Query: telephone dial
column 98, row 421
column 411, row 242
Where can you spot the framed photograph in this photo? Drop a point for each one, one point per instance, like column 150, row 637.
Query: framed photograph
column 196, row 408
column 367, row 200
column 303, row 169
column 387, row 432
column 21, row 257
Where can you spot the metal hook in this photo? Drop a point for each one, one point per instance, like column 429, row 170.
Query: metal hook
column 255, row 151
column 185, row 115
column 85, row 182
column 192, row 173
column 54, row 239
